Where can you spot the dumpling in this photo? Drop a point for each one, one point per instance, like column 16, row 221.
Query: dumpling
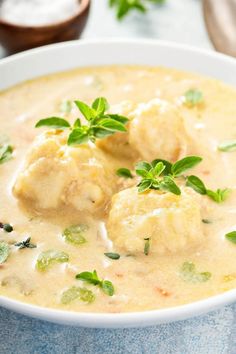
column 173, row 223
column 157, row 130
column 56, row 175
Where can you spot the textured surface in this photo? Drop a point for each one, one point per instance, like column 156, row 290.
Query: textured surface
column 181, row 21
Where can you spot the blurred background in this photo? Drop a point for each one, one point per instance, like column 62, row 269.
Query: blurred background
column 29, row 23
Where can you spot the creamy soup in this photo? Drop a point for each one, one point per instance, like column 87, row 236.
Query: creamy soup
column 76, row 199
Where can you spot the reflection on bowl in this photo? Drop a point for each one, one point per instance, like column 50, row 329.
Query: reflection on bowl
column 15, row 38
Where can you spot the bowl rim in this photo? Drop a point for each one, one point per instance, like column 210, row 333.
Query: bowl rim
column 84, row 5
column 125, row 319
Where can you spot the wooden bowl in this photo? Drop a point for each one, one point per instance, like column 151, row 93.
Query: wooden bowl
column 15, row 38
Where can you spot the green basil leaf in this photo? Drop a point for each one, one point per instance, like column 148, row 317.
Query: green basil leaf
column 53, row 122
column 75, row 293
column 77, row 123
column 47, row 258
column 158, row 169
column 167, row 165
column 185, row 164
column 189, row 274
column 195, row 183
column 112, row 255
column 193, row 97
column 75, row 234
column 227, row 146
column 231, row 236
column 100, row 105
column 78, row 136
column 4, row 252
column 107, row 287
column 169, row 185
column 88, row 112
column 124, row 172
column 5, row 153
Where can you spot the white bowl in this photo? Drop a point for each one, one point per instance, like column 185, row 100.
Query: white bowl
column 65, row 56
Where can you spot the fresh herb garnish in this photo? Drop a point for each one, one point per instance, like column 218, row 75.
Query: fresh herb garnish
column 99, row 123
column 231, row 236
column 6, row 227
column 189, row 274
column 193, row 97
column 146, row 246
column 75, row 293
column 219, row 196
column 66, row 106
column 25, row 244
column 227, row 146
column 154, row 176
column 4, row 252
column 124, row 172
column 75, row 234
column 5, row 153
column 112, row 255
column 123, row 7
column 92, row 278
column 48, row 258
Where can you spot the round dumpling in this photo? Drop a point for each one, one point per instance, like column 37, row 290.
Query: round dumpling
column 57, row 175
column 157, row 130
column 171, row 222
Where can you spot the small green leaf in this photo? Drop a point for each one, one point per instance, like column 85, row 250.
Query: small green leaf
column 124, row 172
column 158, row 169
column 206, row 221
column 75, row 234
column 89, row 277
column 50, row 257
column 78, row 136
column 111, row 124
column 219, row 196
column 166, row 163
column 185, row 164
column 169, row 185
column 77, row 123
column 75, row 293
column 119, row 118
column 231, row 236
column 142, row 168
column 53, row 122
column 227, row 146
column 5, row 153
column 88, row 112
column 146, row 246
column 92, row 278
column 112, row 255
column 193, row 97
column 107, row 287
column 144, row 185
column 100, row 105
column 4, row 252
column 189, row 274
column 195, row 183
column 66, row 106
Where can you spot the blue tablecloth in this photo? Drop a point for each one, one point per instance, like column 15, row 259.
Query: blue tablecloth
column 210, row 334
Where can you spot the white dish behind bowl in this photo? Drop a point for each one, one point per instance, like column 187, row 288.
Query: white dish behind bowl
column 65, row 56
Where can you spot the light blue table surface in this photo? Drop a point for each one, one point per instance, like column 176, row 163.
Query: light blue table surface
column 181, row 21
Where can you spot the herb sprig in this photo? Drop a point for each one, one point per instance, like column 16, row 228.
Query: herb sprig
column 25, row 244
column 160, row 174
column 123, row 7
column 100, row 123
column 92, row 278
